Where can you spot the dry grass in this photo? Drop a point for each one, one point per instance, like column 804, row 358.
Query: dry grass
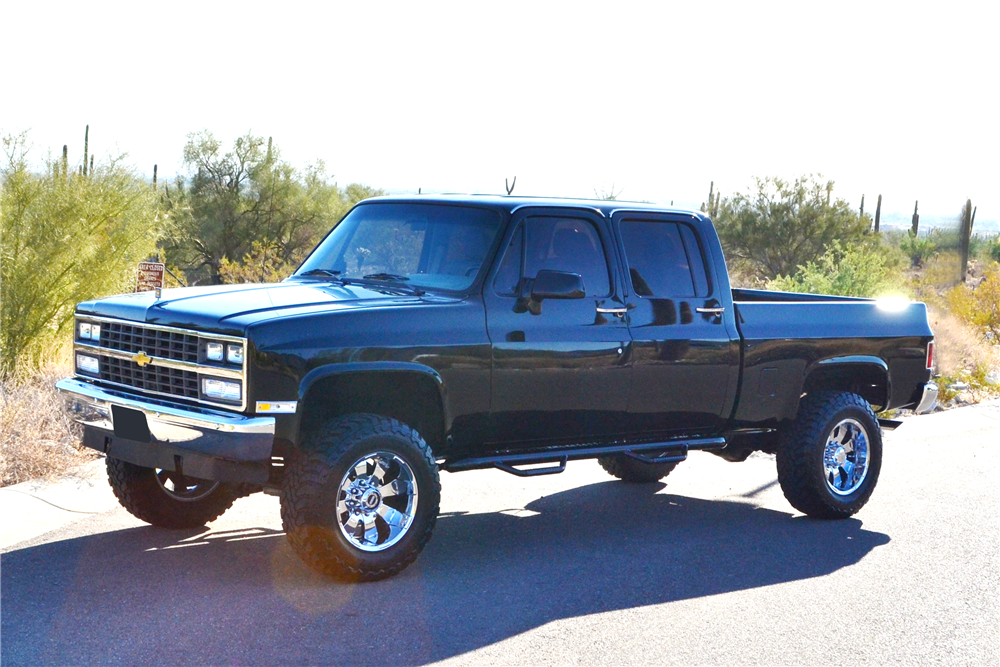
column 38, row 437
column 963, row 356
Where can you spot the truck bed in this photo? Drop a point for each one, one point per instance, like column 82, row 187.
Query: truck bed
column 788, row 338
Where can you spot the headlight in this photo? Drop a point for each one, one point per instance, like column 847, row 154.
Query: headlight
column 235, row 354
column 88, row 331
column 222, row 389
column 88, row 364
column 214, row 351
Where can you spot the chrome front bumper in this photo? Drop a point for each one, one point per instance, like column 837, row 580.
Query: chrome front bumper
column 928, row 399
column 207, row 443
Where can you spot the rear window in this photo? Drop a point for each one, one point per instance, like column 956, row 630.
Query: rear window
column 664, row 259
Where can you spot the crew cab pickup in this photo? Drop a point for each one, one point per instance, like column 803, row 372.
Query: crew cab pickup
column 462, row 332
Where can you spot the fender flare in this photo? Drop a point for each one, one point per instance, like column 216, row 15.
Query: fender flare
column 863, row 360
column 327, row 371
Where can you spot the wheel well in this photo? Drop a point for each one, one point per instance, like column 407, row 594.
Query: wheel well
column 409, row 397
column 869, row 381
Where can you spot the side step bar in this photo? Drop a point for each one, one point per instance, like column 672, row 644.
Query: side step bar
column 647, row 452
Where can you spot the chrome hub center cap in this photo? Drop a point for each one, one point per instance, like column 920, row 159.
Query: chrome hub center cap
column 840, row 456
column 371, row 500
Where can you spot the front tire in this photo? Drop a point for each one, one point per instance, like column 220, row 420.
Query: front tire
column 632, row 471
column 360, row 498
column 168, row 500
column 829, row 459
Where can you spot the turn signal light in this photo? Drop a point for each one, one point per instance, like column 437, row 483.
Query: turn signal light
column 930, row 355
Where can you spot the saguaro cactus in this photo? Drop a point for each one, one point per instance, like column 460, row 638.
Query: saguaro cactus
column 965, row 233
column 65, row 160
column 861, row 214
column 878, row 212
column 86, row 147
column 915, row 221
column 154, row 176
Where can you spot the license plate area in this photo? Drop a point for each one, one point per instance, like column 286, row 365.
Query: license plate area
column 130, row 424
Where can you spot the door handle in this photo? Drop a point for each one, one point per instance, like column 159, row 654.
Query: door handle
column 711, row 311
column 617, row 312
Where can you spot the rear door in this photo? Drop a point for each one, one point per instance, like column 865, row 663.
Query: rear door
column 560, row 370
column 684, row 363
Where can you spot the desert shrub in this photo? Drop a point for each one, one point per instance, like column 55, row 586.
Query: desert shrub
column 862, row 270
column 975, row 383
column 38, row 436
column 992, row 249
column 918, row 249
column 65, row 237
column 980, row 306
column 264, row 263
column 779, row 225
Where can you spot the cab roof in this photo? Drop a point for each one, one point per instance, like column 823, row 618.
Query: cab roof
column 510, row 204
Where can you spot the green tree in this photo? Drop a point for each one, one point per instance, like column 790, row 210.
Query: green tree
column 64, row 238
column 864, row 269
column 233, row 205
column 780, row 225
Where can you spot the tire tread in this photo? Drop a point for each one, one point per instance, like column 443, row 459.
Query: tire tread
column 797, row 448
column 306, row 476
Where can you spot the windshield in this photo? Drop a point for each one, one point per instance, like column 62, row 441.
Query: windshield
column 424, row 245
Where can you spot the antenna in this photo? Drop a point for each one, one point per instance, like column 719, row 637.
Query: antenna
column 510, row 188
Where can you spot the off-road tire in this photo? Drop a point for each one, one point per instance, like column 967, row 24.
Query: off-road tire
column 800, row 455
column 310, row 489
column 632, row 471
column 138, row 491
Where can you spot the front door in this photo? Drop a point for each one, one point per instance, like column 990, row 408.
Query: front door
column 560, row 366
column 685, row 364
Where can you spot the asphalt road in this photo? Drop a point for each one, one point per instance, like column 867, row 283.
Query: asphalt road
column 711, row 568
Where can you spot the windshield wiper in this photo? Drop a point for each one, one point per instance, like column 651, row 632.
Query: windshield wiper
column 320, row 272
column 385, row 276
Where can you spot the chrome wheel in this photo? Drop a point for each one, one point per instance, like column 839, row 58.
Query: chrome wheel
column 377, row 501
column 845, row 457
column 181, row 487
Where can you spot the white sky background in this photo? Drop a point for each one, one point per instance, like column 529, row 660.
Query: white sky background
column 659, row 98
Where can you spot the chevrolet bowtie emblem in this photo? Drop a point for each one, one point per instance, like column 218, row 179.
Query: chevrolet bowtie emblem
column 142, row 359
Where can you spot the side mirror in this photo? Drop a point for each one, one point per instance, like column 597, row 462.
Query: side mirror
column 557, row 285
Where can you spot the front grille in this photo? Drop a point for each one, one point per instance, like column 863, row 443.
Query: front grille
column 154, row 342
column 172, row 381
column 175, row 360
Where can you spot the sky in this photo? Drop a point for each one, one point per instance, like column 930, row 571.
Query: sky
column 654, row 99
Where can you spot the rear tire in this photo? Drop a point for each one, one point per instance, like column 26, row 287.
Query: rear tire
column 830, row 457
column 168, row 500
column 632, row 471
column 360, row 498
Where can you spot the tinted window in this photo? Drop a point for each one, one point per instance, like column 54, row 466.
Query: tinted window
column 657, row 259
column 567, row 244
column 509, row 273
column 695, row 260
column 424, row 244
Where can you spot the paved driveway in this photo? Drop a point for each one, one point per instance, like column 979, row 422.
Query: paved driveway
column 711, row 568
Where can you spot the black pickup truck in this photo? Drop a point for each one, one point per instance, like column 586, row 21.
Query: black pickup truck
column 463, row 332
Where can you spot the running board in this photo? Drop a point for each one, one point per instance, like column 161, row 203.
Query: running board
column 889, row 424
column 655, row 452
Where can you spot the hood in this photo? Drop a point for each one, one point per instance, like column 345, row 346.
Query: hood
column 229, row 309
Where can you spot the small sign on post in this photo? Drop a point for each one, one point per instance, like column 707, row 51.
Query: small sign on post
column 150, row 277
